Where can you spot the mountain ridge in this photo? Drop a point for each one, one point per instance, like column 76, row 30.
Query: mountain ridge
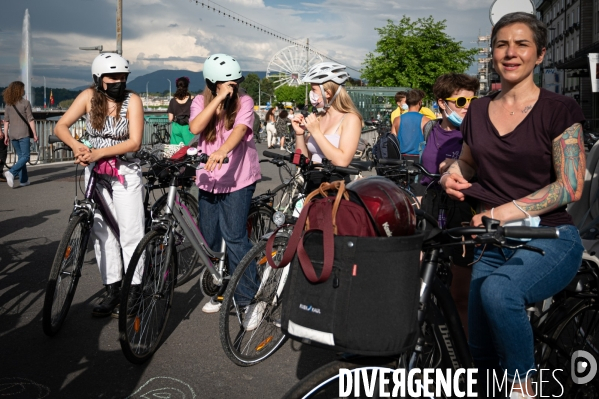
column 157, row 81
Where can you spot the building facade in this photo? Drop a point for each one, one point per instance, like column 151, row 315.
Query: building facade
column 573, row 33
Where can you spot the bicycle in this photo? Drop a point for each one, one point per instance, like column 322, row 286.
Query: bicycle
column 442, row 344
column 68, row 261
column 34, row 155
column 161, row 135
column 245, row 345
column 145, row 307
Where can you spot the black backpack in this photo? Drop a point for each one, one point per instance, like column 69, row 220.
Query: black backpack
column 386, row 147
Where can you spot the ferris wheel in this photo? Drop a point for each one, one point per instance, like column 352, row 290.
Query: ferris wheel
column 288, row 66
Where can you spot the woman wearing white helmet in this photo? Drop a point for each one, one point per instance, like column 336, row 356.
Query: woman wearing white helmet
column 223, row 118
column 335, row 132
column 114, row 124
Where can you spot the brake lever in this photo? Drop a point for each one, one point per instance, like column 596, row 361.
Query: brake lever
column 534, row 249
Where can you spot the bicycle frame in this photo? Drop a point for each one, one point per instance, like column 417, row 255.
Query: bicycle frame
column 183, row 217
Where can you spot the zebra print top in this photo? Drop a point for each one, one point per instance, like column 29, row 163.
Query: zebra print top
column 114, row 132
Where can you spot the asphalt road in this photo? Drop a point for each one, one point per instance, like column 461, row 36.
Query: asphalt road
column 84, row 360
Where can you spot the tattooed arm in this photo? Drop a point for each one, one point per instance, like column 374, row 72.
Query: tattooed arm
column 569, row 162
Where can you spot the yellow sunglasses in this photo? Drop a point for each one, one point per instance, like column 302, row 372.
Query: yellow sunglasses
column 461, row 102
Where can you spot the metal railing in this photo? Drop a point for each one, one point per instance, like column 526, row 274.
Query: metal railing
column 44, row 152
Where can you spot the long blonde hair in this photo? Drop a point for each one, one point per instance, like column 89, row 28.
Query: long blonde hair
column 228, row 117
column 343, row 102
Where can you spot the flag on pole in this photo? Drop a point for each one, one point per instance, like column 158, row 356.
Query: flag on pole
column 51, row 98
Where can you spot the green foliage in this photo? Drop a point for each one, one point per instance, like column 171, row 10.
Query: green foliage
column 65, row 104
column 294, row 94
column 414, row 54
column 252, row 83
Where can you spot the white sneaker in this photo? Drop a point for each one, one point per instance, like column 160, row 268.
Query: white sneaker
column 10, row 179
column 211, row 306
column 25, row 184
column 253, row 315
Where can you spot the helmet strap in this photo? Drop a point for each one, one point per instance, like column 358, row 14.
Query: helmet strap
column 328, row 104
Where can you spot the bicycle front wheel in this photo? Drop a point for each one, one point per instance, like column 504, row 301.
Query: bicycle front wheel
column 64, row 275
column 250, row 315
column 187, row 257
column 259, row 222
column 145, row 307
column 324, row 381
column 577, row 332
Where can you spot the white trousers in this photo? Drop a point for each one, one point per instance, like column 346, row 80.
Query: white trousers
column 271, row 134
column 126, row 205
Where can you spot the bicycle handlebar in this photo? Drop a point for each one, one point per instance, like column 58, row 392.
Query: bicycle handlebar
column 529, row 232
column 406, row 164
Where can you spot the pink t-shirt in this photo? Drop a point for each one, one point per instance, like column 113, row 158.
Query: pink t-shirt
column 243, row 168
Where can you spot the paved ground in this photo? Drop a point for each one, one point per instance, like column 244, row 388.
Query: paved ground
column 84, row 360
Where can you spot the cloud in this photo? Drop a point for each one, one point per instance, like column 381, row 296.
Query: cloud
column 164, row 34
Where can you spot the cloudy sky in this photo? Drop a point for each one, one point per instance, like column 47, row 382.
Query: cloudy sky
column 179, row 34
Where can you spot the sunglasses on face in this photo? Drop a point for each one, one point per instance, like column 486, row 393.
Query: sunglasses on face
column 461, row 102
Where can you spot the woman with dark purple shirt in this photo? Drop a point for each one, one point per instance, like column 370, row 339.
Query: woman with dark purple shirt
column 525, row 146
column 453, row 93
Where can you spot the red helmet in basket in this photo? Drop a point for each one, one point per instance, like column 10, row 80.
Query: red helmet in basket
column 389, row 206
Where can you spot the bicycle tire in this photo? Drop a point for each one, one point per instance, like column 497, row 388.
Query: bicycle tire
column 65, row 273
column 187, row 257
column 259, row 222
column 285, row 197
column 250, row 349
column 324, row 381
column 152, row 304
column 33, row 149
column 285, row 173
column 577, row 331
column 156, row 139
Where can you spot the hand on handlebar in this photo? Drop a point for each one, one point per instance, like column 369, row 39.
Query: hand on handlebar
column 216, row 158
column 453, row 185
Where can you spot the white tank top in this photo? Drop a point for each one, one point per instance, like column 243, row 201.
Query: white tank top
column 314, row 149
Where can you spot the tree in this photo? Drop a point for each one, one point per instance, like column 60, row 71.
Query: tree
column 414, row 54
column 250, row 85
column 294, row 94
column 267, row 88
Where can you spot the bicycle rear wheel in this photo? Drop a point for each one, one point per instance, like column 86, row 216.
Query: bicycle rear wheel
column 34, row 155
column 145, row 308
column 187, row 257
column 577, row 332
column 260, row 286
column 64, row 275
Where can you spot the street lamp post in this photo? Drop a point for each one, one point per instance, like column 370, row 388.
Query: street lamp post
column 147, row 96
column 169, row 88
column 258, row 93
column 44, row 92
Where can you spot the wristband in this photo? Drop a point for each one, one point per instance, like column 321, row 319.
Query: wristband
column 297, row 134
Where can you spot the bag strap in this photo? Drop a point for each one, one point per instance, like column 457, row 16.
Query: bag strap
column 328, row 247
column 24, row 120
column 293, row 242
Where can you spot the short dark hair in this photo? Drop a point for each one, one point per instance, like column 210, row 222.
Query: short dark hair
column 414, row 96
column 447, row 84
column 538, row 28
column 399, row 95
column 283, row 114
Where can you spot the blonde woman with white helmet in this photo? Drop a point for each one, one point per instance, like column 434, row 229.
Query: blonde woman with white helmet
column 335, row 131
column 114, row 124
column 223, row 117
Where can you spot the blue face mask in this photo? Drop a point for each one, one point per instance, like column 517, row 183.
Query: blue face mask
column 454, row 118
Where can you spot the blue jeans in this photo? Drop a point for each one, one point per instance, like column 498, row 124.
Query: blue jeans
column 225, row 216
column 21, row 147
column 503, row 283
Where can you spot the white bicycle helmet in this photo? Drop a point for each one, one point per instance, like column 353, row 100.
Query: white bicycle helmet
column 325, row 71
column 221, row 68
column 108, row 63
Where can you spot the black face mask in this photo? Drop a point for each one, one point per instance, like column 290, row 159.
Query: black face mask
column 115, row 91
